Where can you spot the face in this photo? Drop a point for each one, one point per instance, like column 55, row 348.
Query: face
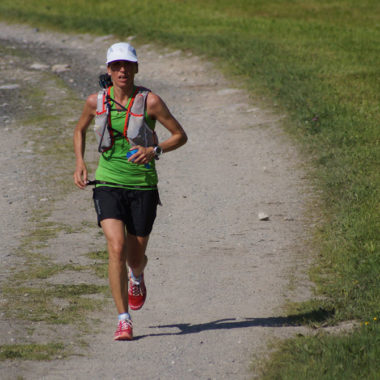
column 122, row 72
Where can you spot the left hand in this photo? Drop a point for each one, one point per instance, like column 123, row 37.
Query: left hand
column 143, row 156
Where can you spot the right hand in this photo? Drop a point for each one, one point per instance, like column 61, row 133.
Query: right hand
column 80, row 176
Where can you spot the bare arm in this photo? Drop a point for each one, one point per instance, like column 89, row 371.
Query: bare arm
column 158, row 110
column 89, row 111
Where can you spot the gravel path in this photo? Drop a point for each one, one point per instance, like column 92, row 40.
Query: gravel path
column 217, row 275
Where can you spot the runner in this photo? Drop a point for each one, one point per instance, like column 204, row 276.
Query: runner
column 126, row 195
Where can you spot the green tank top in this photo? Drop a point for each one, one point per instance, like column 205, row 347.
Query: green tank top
column 113, row 164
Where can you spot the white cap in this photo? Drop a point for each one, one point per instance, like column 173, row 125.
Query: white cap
column 121, row 51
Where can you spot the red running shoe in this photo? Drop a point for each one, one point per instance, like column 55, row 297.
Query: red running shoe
column 136, row 293
column 124, row 330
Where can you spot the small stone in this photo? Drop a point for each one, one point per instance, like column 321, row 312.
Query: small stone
column 103, row 38
column 263, row 216
column 60, row 68
column 9, row 86
column 39, row 66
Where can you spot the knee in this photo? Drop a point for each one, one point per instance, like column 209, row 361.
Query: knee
column 116, row 250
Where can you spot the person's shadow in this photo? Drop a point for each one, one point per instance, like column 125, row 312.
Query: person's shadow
column 315, row 316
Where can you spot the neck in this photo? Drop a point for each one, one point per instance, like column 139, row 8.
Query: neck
column 123, row 94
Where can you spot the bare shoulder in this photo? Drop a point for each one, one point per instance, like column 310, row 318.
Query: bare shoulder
column 91, row 101
column 155, row 105
column 153, row 100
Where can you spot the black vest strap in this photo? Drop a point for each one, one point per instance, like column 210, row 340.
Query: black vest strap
column 96, row 182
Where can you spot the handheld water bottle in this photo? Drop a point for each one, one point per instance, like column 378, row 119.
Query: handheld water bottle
column 132, row 152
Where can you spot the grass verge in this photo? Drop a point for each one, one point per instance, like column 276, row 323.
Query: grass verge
column 318, row 60
column 325, row 356
column 32, row 351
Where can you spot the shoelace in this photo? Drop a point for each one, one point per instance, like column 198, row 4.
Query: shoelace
column 124, row 324
column 136, row 289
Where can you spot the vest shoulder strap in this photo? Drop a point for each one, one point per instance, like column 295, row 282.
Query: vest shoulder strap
column 139, row 104
column 101, row 102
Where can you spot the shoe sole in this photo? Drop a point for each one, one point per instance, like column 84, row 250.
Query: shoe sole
column 134, row 308
column 124, row 337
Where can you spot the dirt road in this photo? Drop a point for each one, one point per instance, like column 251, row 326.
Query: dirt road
column 217, row 276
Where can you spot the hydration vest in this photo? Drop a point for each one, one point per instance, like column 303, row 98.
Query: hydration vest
column 136, row 130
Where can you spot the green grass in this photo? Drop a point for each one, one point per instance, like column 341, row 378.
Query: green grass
column 319, row 61
column 346, row 356
column 31, row 351
column 36, row 304
column 100, row 266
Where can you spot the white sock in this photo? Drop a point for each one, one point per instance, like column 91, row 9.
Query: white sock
column 124, row 316
column 136, row 280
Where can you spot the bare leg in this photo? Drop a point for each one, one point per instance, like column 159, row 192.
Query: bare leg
column 114, row 231
column 136, row 258
column 123, row 249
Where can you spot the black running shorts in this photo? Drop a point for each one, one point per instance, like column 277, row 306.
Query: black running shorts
column 136, row 208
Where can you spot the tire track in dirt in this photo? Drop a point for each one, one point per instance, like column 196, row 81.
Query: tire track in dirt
column 217, row 275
